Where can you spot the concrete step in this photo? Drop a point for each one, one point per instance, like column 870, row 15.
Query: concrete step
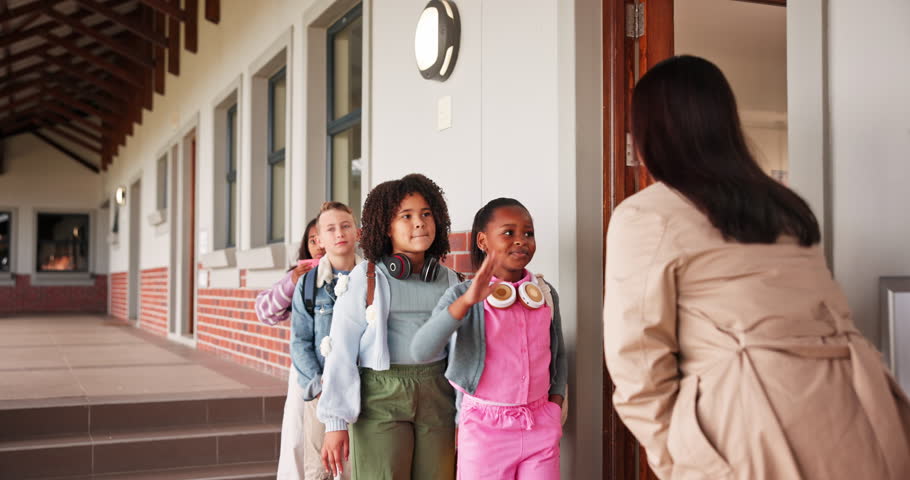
column 139, row 450
column 129, row 438
column 242, row 471
column 55, row 421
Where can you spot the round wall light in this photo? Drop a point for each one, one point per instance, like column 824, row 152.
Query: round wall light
column 120, row 195
column 437, row 39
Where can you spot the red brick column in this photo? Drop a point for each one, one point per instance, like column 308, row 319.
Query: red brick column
column 119, row 292
column 153, row 294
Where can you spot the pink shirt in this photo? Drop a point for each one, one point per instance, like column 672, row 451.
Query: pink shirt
column 517, row 364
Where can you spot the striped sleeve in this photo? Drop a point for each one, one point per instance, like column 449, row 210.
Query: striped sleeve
column 273, row 305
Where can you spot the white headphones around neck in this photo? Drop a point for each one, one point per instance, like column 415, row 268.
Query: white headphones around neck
column 505, row 294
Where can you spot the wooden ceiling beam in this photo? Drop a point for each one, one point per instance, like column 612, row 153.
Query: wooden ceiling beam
column 75, row 118
column 213, row 11
column 170, row 9
column 173, row 47
column 77, row 129
column 117, row 70
column 128, row 23
column 77, row 70
column 27, row 9
column 20, row 101
column 191, row 42
column 99, row 37
column 81, row 106
column 52, row 128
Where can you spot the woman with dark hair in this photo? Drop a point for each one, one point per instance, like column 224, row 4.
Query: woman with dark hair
column 732, row 349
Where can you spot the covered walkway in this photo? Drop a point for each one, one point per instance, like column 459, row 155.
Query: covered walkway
column 85, row 396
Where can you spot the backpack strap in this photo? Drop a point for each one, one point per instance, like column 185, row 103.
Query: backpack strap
column 371, row 282
column 309, row 291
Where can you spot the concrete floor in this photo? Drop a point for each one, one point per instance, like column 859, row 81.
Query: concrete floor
column 59, row 359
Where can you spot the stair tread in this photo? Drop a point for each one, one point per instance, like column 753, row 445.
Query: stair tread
column 139, row 435
column 236, row 471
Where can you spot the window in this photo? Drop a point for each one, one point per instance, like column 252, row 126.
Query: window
column 231, row 176
column 63, row 242
column 345, row 71
column 276, row 147
column 6, row 241
column 162, row 183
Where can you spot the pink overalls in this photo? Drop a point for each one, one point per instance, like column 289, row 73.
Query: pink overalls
column 509, row 429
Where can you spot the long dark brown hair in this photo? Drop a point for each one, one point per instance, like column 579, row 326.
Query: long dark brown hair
column 687, row 130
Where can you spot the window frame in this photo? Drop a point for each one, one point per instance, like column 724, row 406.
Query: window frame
column 161, row 188
column 274, row 157
column 352, row 118
column 89, row 228
column 9, row 269
column 230, row 176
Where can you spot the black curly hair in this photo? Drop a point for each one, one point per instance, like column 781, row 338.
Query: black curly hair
column 481, row 219
column 382, row 204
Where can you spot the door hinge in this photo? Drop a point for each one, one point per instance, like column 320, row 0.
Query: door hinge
column 631, row 161
column 635, row 20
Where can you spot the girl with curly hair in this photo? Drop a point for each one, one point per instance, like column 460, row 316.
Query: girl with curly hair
column 396, row 414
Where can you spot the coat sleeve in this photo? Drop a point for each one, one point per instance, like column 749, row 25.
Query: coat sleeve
column 303, row 347
column 273, row 305
column 640, row 342
column 339, row 404
column 560, row 375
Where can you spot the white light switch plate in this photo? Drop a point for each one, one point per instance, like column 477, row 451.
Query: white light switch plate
column 444, row 113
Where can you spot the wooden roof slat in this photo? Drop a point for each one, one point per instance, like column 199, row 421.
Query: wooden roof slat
column 50, row 127
column 80, row 105
column 125, row 21
column 170, row 9
column 213, row 11
column 69, row 153
column 26, row 9
column 101, row 38
column 121, row 72
column 75, row 118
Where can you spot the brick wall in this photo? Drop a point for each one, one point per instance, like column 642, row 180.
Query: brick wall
column 23, row 297
column 153, row 300
column 227, row 325
column 459, row 257
column 119, row 292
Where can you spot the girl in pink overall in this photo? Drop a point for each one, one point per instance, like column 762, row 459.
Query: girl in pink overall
column 508, row 359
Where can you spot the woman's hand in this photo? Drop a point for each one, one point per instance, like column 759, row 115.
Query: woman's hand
column 479, row 290
column 557, row 399
column 336, row 448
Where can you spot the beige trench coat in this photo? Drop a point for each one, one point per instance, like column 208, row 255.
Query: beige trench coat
column 741, row 361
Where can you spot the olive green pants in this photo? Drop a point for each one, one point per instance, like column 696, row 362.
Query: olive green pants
column 406, row 427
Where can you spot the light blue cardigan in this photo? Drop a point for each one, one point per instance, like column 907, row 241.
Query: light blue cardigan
column 356, row 343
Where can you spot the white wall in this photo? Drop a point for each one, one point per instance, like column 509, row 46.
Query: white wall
column 39, row 178
column 523, row 69
column 869, row 146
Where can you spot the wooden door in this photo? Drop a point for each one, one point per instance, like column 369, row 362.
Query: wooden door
column 191, row 243
column 628, row 53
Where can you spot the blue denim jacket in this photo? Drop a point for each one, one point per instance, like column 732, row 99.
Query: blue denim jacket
column 307, row 331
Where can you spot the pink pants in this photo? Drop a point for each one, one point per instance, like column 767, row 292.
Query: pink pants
column 509, row 443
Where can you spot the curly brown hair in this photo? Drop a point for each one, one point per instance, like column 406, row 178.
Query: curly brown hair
column 382, row 204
